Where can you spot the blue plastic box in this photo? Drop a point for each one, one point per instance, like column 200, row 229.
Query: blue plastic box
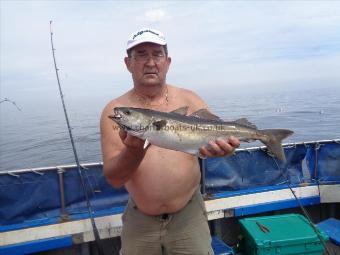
column 331, row 227
column 220, row 247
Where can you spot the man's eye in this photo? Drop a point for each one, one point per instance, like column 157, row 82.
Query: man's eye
column 143, row 57
column 159, row 55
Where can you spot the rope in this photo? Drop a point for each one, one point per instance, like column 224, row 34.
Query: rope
column 304, row 211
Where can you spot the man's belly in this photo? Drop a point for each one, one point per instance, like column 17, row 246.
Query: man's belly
column 164, row 182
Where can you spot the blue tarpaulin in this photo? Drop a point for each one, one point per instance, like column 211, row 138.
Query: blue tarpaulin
column 323, row 160
column 306, row 163
column 30, row 196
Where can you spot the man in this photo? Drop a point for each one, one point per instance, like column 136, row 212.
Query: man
column 165, row 213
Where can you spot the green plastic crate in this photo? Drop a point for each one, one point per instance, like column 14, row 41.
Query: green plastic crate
column 288, row 234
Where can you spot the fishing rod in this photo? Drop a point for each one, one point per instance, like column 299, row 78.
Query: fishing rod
column 89, row 207
column 303, row 209
column 10, row 101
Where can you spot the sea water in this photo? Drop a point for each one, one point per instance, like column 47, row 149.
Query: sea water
column 37, row 136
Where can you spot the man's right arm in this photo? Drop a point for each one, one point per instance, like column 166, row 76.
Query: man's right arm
column 122, row 153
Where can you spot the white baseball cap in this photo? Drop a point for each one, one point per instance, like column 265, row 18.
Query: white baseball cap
column 145, row 35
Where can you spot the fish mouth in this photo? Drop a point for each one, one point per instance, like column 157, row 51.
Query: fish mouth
column 126, row 128
column 115, row 116
column 122, row 126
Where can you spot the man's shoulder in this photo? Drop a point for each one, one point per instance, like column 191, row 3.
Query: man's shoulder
column 178, row 88
column 183, row 92
column 188, row 97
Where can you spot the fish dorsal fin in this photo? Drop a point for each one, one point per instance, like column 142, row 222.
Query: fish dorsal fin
column 182, row 110
column 245, row 122
column 204, row 114
column 159, row 124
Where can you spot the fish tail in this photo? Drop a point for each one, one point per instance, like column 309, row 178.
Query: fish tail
column 272, row 139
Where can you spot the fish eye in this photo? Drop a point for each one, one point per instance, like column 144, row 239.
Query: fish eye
column 127, row 112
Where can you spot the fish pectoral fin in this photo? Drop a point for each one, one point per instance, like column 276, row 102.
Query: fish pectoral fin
column 204, row 114
column 146, row 144
column 245, row 122
column 182, row 110
column 159, row 124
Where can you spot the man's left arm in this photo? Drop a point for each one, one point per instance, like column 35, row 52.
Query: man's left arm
column 221, row 146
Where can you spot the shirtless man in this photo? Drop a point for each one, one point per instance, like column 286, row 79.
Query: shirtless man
column 165, row 213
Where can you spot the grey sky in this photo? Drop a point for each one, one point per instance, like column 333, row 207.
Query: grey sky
column 272, row 50
column 214, row 45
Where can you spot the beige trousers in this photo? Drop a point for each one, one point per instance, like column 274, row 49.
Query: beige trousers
column 184, row 232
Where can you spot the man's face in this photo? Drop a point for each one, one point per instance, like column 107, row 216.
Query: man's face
column 148, row 64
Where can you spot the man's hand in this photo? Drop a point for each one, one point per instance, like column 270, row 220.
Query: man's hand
column 220, row 147
column 131, row 142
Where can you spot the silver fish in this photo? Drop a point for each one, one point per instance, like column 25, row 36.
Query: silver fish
column 177, row 131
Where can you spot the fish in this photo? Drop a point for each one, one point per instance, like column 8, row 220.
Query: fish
column 178, row 131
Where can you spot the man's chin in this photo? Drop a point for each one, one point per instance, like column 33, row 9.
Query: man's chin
column 151, row 82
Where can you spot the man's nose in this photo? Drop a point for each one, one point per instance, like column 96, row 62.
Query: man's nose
column 150, row 61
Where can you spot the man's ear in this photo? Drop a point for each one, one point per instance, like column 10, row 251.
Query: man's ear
column 168, row 62
column 127, row 61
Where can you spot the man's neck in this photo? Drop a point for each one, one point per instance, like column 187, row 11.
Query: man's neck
column 151, row 96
